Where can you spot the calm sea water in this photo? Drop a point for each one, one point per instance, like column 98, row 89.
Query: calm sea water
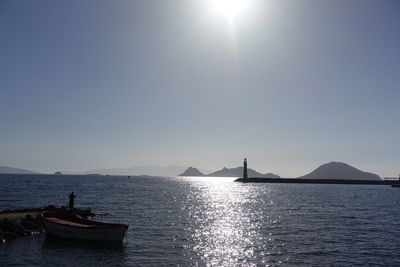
column 212, row 221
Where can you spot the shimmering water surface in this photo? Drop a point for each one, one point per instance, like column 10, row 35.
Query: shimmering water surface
column 212, row 221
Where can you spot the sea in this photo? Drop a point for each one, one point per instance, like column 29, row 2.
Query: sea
column 211, row 221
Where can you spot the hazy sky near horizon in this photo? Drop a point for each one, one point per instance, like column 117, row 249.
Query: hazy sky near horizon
column 288, row 84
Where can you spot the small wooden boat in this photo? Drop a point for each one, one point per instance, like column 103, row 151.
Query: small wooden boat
column 80, row 229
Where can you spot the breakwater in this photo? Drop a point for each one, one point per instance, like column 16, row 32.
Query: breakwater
column 314, row 181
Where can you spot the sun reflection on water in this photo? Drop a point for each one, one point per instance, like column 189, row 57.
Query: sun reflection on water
column 225, row 227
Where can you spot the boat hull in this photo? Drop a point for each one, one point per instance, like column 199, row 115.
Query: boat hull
column 111, row 233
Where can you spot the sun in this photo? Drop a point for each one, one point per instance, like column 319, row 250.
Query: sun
column 230, row 9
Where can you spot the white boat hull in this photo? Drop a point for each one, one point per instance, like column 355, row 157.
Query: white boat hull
column 90, row 234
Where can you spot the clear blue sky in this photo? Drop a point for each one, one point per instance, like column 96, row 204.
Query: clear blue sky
column 288, row 84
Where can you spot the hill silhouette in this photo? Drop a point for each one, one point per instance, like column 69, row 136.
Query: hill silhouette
column 339, row 170
column 171, row 170
column 238, row 172
column 192, row 172
column 10, row 170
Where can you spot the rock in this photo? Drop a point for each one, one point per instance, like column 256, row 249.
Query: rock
column 6, row 211
column 29, row 218
column 50, row 207
column 27, row 232
column 31, row 226
column 10, row 236
column 8, row 226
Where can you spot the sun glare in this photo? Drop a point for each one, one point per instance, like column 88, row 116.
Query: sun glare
column 229, row 9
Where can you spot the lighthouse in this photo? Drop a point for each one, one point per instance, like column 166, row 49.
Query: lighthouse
column 245, row 169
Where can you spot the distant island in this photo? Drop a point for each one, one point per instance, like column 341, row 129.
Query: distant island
column 340, row 171
column 228, row 172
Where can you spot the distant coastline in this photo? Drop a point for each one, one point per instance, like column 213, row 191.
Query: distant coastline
column 332, row 170
column 11, row 170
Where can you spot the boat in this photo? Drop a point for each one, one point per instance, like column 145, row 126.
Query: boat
column 397, row 184
column 69, row 227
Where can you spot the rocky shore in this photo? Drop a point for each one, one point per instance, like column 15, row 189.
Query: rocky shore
column 24, row 222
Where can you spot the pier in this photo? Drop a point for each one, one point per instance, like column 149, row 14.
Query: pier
column 313, row 181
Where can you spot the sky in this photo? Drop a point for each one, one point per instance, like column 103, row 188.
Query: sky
column 288, row 84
